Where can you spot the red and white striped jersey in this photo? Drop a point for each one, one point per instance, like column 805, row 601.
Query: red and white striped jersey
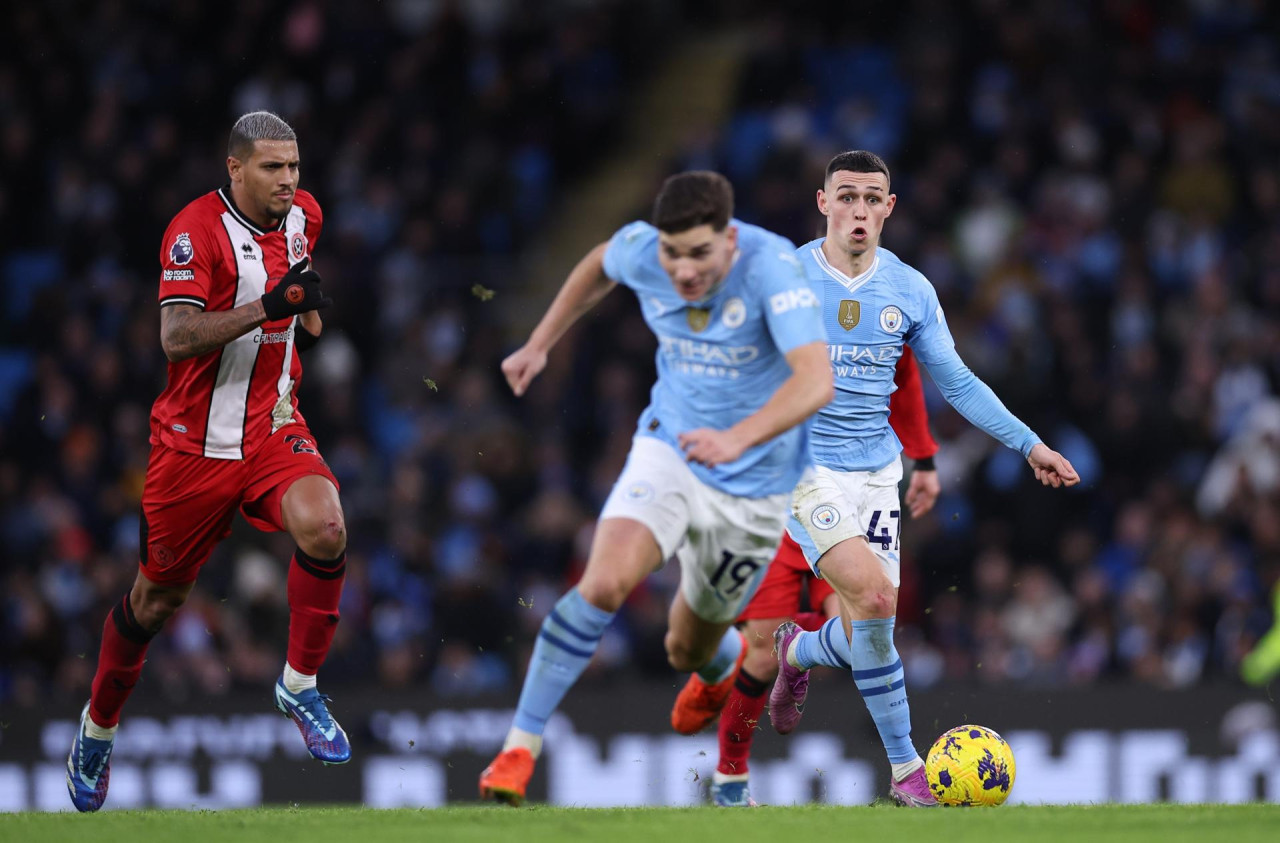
column 225, row 403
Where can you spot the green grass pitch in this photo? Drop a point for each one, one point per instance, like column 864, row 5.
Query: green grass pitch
column 532, row 824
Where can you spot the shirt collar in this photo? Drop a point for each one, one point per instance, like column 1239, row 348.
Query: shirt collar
column 224, row 193
column 850, row 284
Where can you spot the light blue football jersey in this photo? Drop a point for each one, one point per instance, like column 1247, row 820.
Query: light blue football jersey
column 867, row 320
column 720, row 359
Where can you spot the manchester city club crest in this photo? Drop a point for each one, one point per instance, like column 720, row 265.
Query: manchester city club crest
column 640, row 492
column 826, row 516
column 698, row 318
column 735, row 313
column 850, row 313
column 181, row 252
column 891, row 319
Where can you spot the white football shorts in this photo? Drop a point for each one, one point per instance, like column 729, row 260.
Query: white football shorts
column 724, row 543
column 830, row 506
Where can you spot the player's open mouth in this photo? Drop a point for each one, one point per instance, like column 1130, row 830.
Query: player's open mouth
column 859, row 234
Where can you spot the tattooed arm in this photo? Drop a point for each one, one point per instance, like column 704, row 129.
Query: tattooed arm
column 186, row 331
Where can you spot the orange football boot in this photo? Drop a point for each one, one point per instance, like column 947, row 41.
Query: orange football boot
column 698, row 703
column 506, row 778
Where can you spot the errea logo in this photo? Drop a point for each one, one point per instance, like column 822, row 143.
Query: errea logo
column 792, row 299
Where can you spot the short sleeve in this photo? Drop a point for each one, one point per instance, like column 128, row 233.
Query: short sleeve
column 624, row 247
column 792, row 310
column 187, row 258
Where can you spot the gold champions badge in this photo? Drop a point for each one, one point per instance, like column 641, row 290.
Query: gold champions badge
column 850, row 313
column 698, row 318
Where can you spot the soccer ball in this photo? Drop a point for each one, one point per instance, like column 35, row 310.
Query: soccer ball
column 970, row 765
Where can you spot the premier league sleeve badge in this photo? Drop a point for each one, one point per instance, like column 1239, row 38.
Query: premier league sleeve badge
column 181, row 252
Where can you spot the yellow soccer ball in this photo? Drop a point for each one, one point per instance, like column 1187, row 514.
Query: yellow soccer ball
column 970, row 765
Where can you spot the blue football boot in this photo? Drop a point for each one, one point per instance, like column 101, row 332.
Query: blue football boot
column 324, row 737
column 88, row 768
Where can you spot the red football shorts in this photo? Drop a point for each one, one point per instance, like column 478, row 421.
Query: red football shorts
column 189, row 500
column 786, row 579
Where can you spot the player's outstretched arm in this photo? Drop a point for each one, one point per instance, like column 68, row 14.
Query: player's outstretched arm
column 582, row 290
column 807, row 390
column 976, row 402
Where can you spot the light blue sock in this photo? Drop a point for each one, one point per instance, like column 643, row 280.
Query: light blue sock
column 877, row 670
column 721, row 664
column 827, row 646
column 568, row 640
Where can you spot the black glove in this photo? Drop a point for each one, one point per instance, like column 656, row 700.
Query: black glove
column 298, row 292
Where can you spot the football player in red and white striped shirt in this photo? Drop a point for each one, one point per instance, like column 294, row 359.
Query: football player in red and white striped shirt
column 238, row 300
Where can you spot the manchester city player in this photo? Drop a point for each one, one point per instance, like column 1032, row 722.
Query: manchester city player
column 742, row 365
column 846, row 514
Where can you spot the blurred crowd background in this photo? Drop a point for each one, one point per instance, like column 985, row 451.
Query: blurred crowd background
column 1094, row 189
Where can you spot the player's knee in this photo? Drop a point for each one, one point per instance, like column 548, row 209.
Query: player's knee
column 682, row 657
column 605, row 594
column 326, row 538
column 154, row 609
column 878, row 601
column 332, row 540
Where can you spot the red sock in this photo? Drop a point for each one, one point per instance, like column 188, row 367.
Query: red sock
column 315, row 588
column 738, row 722
column 124, row 648
column 810, row 621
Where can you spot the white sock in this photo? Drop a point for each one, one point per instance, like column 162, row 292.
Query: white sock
column 722, row 778
column 99, row 733
column 528, row 740
column 906, row 768
column 295, row 682
column 791, row 658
